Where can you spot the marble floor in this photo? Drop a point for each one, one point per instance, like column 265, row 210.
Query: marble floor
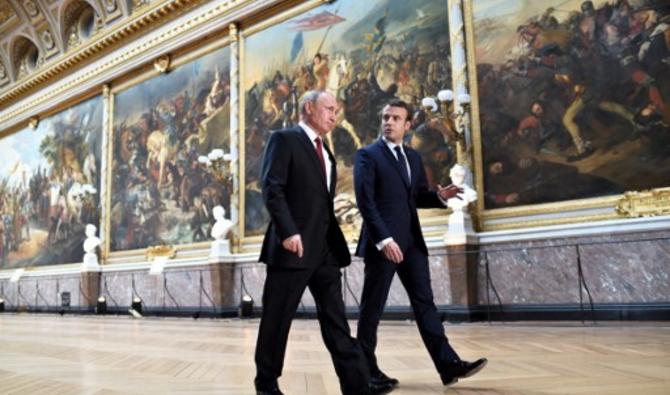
column 50, row 354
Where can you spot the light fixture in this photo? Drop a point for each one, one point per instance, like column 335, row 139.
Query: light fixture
column 217, row 163
column 101, row 308
column 246, row 307
column 65, row 299
column 136, row 305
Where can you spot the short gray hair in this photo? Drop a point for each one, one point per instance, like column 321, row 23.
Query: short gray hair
column 309, row 97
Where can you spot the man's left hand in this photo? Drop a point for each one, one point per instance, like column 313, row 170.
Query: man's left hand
column 449, row 191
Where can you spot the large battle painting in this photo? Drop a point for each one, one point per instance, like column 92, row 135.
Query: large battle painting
column 574, row 98
column 163, row 191
column 50, row 188
column 363, row 52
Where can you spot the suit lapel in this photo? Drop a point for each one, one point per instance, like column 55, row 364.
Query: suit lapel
column 394, row 162
column 333, row 172
column 311, row 153
column 413, row 166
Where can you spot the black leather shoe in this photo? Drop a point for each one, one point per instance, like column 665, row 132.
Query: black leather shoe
column 381, row 378
column 375, row 388
column 461, row 369
column 269, row 391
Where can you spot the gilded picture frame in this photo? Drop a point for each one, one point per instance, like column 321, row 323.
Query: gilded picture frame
column 543, row 36
column 184, row 117
column 361, row 40
column 50, row 185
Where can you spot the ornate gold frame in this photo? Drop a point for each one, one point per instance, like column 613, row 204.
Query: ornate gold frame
column 181, row 57
column 525, row 214
column 33, row 123
column 427, row 216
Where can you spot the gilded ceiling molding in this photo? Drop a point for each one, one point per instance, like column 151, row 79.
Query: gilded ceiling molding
column 142, row 22
column 9, row 118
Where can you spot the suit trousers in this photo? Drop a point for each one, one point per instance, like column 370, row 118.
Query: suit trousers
column 414, row 274
column 282, row 293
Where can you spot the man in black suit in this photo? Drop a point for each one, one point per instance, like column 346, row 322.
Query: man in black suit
column 390, row 184
column 304, row 247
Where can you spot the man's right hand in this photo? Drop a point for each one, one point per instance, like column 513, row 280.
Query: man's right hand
column 392, row 252
column 293, row 244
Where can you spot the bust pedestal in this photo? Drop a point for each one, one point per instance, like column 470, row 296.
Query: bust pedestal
column 219, row 250
column 90, row 262
column 460, row 229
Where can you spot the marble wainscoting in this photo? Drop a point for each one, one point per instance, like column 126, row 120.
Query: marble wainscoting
column 617, row 269
column 198, row 288
column 352, row 284
column 45, row 293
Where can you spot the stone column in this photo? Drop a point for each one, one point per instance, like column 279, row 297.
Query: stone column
column 460, row 244
column 223, row 284
column 234, row 134
column 90, row 288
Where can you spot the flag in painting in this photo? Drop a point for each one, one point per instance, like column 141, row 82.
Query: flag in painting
column 297, row 46
column 317, row 21
column 378, row 36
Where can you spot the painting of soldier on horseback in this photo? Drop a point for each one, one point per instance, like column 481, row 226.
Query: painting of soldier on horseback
column 49, row 188
column 161, row 192
column 363, row 52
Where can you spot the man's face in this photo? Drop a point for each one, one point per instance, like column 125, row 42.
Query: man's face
column 322, row 114
column 537, row 110
column 394, row 123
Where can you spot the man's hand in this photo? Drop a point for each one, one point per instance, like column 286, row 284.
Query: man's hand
column 392, row 252
column 293, row 244
column 449, row 191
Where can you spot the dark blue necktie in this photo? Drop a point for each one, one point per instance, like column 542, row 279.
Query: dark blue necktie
column 403, row 163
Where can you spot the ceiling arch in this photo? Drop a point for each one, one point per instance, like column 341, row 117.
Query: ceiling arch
column 56, row 28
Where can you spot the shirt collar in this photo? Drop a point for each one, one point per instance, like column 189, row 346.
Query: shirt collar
column 393, row 145
column 309, row 131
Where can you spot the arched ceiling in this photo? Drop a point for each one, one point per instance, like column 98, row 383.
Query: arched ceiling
column 36, row 32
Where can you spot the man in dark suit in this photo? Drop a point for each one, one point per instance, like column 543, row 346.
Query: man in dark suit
column 304, row 247
column 390, row 184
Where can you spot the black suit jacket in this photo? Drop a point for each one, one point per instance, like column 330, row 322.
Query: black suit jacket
column 296, row 197
column 388, row 205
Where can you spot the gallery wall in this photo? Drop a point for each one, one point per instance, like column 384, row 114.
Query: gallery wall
column 568, row 113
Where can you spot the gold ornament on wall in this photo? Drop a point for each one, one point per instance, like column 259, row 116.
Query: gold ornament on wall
column 649, row 203
column 33, row 122
column 161, row 251
column 162, row 64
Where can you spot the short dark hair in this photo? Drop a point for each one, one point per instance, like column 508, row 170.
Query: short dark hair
column 402, row 104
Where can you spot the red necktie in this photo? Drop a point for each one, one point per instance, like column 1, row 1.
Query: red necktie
column 319, row 154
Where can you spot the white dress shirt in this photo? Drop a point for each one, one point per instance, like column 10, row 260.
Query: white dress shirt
column 326, row 158
column 392, row 146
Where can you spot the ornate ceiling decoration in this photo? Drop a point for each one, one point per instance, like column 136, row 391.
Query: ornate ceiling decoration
column 41, row 39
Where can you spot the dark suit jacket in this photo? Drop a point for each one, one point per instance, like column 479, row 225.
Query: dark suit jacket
column 388, row 205
column 296, row 197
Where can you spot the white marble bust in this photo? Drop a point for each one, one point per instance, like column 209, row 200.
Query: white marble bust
column 90, row 244
column 92, row 241
column 458, row 174
column 222, row 226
